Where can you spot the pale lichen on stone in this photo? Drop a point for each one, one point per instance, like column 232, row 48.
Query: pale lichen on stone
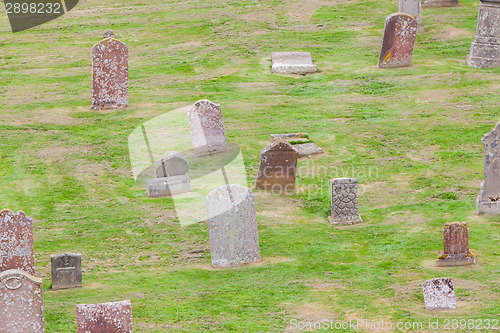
column 111, row 317
column 398, row 40
column 439, row 294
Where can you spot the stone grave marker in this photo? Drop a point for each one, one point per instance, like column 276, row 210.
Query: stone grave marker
column 456, row 246
column 413, row 8
column 488, row 201
column 307, row 149
column 111, row 317
column 66, row 270
column 109, row 73
column 485, row 49
column 21, row 303
column 16, row 242
column 300, row 142
column 292, row 63
column 344, row 201
column 232, row 226
column 439, row 294
column 207, row 128
column 398, row 40
column 171, row 173
column 277, row 167
column 439, row 3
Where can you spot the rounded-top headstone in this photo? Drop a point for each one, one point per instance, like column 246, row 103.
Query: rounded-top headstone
column 108, row 33
column 171, row 164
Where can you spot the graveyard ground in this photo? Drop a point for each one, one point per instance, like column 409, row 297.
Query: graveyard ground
column 411, row 136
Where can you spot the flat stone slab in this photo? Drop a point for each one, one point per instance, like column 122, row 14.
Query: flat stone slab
column 439, row 294
column 289, row 137
column 307, row 149
column 168, row 186
column 438, row 3
column 292, row 63
column 450, row 262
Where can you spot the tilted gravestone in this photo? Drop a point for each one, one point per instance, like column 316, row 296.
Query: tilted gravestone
column 345, row 208
column 111, row 317
column 292, row 63
column 21, row 303
column 277, row 167
column 171, row 176
column 171, row 164
column 488, row 201
column 66, row 270
column 16, row 242
column 398, row 41
column 109, row 73
column 439, row 294
column 232, row 226
column 485, row 49
column 413, row 8
column 207, row 128
column 440, row 3
column 456, row 250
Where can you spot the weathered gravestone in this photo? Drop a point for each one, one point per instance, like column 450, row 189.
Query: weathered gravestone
column 440, row 3
column 398, row 41
column 207, row 128
column 171, row 176
column 456, row 246
column 307, row 149
column 439, row 294
column 232, row 226
column 277, row 167
column 300, row 142
column 109, row 73
column 344, row 201
column 485, row 49
column 16, row 242
column 292, row 63
column 413, row 8
column 112, row 317
column 66, row 270
column 488, row 201
column 21, row 303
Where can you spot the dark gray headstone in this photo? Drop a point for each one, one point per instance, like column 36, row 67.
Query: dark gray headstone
column 66, row 270
column 488, row 201
column 439, row 294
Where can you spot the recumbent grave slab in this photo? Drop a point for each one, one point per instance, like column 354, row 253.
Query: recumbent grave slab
column 292, row 63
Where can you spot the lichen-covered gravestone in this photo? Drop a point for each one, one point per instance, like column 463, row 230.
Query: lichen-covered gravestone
column 16, row 242
column 413, row 8
column 292, row 63
column 439, row 294
column 277, row 167
column 171, row 176
column 485, row 49
column 111, row 317
column 456, row 246
column 66, row 270
column 232, row 226
column 488, row 201
column 109, row 73
column 207, row 128
column 345, row 208
column 398, row 41
column 21, row 303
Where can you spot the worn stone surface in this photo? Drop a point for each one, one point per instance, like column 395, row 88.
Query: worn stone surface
column 345, row 201
column 21, row 303
column 398, row 40
column 277, row 167
column 439, row 3
column 171, row 164
column 439, row 294
column 292, row 63
column 168, row 186
column 485, row 49
column 488, row 201
column 307, row 149
column 109, row 73
column 111, row 317
column 66, row 270
column 456, row 245
column 16, row 242
column 413, row 8
column 232, row 226
column 207, row 128
column 288, row 137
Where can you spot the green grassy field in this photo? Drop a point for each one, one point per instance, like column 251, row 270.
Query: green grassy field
column 411, row 136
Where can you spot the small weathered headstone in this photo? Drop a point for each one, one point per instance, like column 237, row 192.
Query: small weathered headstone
column 207, row 128
column 413, row 8
column 292, row 63
column 16, row 242
column 398, row 41
column 21, row 303
column 439, row 294
column 307, row 149
column 488, row 201
column 171, row 164
column 109, row 73
column 485, row 49
column 440, row 3
column 345, row 208
column 111, row 317
column 456, row 246
column 168, row 186
column 232, row 226
column 66, row 270
column 277, row 167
